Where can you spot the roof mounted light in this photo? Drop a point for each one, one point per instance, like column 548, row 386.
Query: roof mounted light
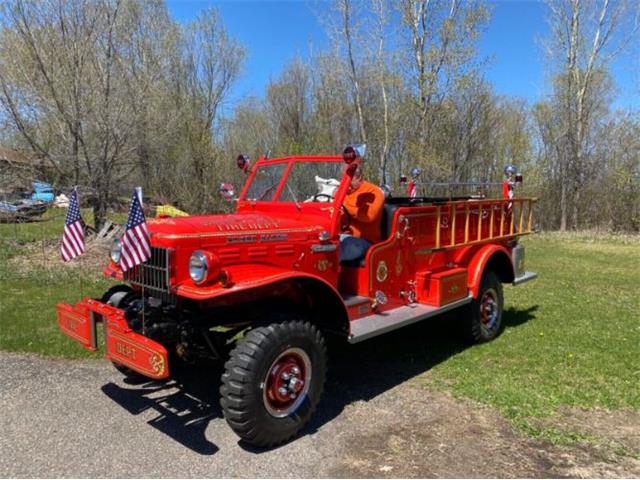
column 353, row 152
column 243, row 162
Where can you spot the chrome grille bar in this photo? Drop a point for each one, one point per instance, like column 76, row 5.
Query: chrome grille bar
column 154, row 273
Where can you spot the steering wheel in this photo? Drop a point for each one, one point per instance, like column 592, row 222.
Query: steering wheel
column 329, row 198
column 345, row 219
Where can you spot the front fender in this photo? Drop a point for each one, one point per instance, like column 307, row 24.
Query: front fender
column 489, row 253
column 246, row 277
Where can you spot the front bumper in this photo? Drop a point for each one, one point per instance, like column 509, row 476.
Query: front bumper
column 122, row 345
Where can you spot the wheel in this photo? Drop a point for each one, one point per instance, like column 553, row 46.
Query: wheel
column 273, row 382
column 115, row 295
column 484, row 318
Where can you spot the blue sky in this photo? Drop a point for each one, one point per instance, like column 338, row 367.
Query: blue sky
column 276, row 31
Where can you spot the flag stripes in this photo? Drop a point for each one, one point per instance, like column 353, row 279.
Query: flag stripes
column 136, row 242
column 73, row 235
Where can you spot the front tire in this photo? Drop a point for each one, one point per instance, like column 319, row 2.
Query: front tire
column 273, row 382
column 484, row 315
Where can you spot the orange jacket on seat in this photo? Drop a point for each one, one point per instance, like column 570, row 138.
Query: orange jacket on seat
column 365, row 205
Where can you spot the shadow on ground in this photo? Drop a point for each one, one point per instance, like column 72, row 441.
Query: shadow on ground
column 189, row 401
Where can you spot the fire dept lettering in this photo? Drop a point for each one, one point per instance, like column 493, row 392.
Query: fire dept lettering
column 242, row 239
column 125, row 350
column 71, row 323
column 273, row 237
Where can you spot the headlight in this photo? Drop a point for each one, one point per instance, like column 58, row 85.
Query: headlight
column 198, row 267
column 116, row 250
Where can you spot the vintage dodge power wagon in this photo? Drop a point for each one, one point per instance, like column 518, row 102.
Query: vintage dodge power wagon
column 262, row 288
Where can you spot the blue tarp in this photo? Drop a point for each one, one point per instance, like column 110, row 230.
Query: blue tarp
column 42, row 192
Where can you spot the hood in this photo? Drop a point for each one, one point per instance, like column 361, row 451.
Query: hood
column 233, row 225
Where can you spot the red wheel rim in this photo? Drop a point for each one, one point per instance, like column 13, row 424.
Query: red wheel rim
column 287, row 382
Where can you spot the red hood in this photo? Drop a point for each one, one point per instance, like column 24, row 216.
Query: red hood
column 209, row 226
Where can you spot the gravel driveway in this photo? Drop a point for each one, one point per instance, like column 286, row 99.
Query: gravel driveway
column 64, row 418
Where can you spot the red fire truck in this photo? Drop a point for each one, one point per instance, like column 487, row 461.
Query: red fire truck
column 262, row 288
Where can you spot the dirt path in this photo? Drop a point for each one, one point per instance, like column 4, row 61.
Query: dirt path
column 78, row 418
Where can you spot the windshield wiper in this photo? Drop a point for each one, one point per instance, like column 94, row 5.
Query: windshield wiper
column 268, row 190
column 295, row 200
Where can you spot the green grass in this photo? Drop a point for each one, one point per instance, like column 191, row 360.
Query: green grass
column 48, row 226
column 572, row 336
column 27, row 310
column 29, row 293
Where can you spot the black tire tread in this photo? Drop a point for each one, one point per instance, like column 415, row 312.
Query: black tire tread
column 244, row 363
column 472, row 328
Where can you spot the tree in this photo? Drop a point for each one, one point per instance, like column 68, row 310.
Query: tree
column 112, row 92
column 440, row 38
column 585, row 36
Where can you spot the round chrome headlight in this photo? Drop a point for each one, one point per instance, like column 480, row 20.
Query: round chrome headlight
column 198, row 267
column 116, row 251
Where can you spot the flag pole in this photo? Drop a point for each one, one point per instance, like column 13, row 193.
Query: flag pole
column 138, row 191
column 75, row 189
column 136, row 246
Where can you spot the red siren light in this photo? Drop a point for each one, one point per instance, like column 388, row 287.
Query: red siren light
column 243, row 162
column 349, row 155
column 353, row 152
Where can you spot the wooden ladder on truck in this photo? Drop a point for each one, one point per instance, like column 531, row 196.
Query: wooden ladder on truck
column 517, row 220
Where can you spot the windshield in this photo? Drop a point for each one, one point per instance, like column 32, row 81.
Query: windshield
column 265, row 183
column 308, row 181
column 312, row 182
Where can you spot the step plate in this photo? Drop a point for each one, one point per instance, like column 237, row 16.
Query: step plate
column 379, row 323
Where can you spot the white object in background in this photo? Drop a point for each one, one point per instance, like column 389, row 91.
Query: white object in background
column 326, row 186
column 61, row 201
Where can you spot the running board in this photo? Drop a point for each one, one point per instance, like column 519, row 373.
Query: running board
column 373, row 325
column 353, row 300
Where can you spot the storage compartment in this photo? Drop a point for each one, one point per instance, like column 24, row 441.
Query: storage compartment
column 443, row 287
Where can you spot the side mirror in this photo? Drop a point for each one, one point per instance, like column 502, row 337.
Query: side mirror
column 227, row 191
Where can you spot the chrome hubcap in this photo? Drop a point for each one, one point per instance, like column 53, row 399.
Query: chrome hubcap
column 287, row 382
column 489, row 310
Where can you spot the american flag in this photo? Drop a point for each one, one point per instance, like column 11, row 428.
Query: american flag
column 136, row 245
column 73, row 236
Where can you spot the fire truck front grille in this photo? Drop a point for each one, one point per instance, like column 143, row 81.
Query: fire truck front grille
column 154, row 273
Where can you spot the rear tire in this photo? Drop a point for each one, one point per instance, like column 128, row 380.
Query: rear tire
column 483, row 320
column 273, row 382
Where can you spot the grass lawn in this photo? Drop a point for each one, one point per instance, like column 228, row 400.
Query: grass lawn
column 572, row 336
column 29, row 294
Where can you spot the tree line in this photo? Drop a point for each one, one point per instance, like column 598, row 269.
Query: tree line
column 115, row 93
